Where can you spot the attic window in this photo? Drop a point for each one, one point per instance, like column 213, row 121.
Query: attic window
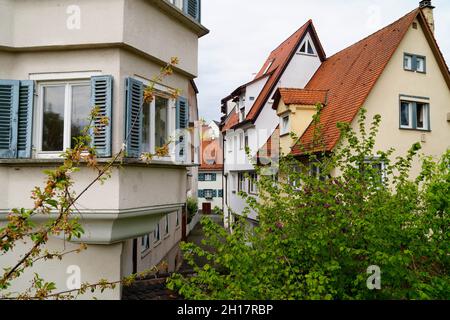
column 414, row 25
column 307, row 48
column 268, row 67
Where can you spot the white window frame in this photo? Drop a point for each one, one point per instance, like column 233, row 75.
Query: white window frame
column 253, row 183
column 408, row 67
column 166, row 225
column 413, row 123
column 241, row 182
column 285, row 126
column 308, row 45
column 39, row 117
column 241, row 141
column 145, row 243
column 296, row 184
column 383, row 167
column 163, row 92
column 209, row 194
column 426, row 114
column 410, row 111
column 209, row 175
column 157, row 234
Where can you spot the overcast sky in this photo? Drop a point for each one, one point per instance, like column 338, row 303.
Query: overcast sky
column 244, row 32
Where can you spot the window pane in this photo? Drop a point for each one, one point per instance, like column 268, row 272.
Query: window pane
column 405, row 115
column 303, row 48
column 408, row 62
column 146, row 128
column 81, row 109
column 420, row 64
column 310, row 49
column 422, row 116
column 161, row 121
column 53, row 123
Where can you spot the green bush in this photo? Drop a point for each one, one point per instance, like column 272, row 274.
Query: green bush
column 318, row 241
column 192, row 209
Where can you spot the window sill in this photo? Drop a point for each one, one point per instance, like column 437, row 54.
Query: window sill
column 157, row 244
column 146, row 253
column 415, row 71
column 306, row 54
column 415, row 129
column 125, row 162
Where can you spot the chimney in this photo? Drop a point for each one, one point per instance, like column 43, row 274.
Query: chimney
column 427, row 9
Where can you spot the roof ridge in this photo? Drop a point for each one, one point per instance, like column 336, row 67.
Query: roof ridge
column 288, row 38
column 376, row 32
column 304, row 89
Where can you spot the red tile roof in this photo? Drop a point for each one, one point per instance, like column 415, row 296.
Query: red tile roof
column 231, row 121
column 278, row 61
column 349, row 76
column 211, row 155
column 300, row 96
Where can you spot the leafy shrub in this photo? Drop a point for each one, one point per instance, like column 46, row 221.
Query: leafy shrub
column 192, row 209
column 317, row 238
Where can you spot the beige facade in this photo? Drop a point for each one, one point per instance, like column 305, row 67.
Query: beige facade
column 134, row 40
column 300, row 116
column 396, row 84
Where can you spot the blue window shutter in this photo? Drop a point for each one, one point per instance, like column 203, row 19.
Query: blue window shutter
column 201, row 193
column 25, row 119
column 182, row 124
column 133, row 132
column 193, row 9
column 9, row 109
column 214, row 193
column 214, row 177
column 220, row 193
column 201, row 177
column 101, row 97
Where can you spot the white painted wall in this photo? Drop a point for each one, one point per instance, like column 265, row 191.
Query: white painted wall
column 213, row 185
column 299, row 71
column 253, row 90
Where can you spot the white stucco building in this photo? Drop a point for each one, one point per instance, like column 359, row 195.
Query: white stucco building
column 249, row 120
column 210, row 177
column 397, row 72
column 51, row 76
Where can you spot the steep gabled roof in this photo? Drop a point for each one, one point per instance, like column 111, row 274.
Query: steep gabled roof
column 231, row 120
column 277, row 62
column 351, row 74
column 299, row 96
